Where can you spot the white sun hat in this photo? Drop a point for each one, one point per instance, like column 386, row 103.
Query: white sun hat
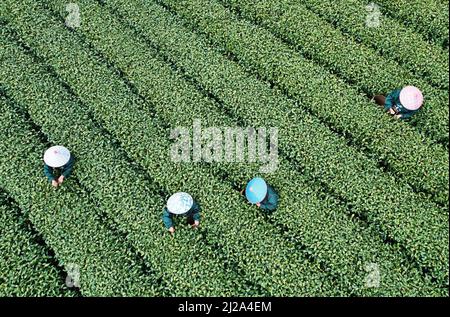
column 56, row 156
column 180, row 203
column 411, row 98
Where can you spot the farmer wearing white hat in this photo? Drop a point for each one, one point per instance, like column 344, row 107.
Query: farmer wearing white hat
column 58, row 159
column 401, row 103
column 260, row 193
column 184, row 205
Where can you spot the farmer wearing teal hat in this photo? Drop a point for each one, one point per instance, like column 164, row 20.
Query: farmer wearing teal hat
column 401, row 103
column 58, row 159
column 181, row 204
column 260, row 193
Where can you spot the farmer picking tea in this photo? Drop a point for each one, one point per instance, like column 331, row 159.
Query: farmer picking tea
column 260, row 193
column 401, row 103
column 58, row 164
column 181, row 204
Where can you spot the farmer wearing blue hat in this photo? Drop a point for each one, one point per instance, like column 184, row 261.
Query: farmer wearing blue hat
column 260, row 193
column 184, row 205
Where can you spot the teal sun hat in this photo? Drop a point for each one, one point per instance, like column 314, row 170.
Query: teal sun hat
column 256, row 190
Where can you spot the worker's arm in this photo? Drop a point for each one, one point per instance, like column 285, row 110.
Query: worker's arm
column 392, row 99
column 48, row 171
column 271, row 203
column 167, row 219
column 196, row 211
column 68, row 168
column 407, row 114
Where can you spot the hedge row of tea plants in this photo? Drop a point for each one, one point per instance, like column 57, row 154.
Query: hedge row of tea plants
column 391, row 38
column 178, row 104
column 65, row 219
column 254, row 247
column 430, row 17
column 123, row 194
column 27, row 268
column 355, row 63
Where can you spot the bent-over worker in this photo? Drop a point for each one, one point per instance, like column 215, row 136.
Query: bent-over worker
column 260, row 193
column 59, row 161
column 401, row 103
column 181, row 204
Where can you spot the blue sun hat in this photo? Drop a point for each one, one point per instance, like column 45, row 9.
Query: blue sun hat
column 256, row 190
column 180, row 203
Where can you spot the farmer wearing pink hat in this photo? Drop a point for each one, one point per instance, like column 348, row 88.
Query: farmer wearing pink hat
column 58, row 159
column 401, row 103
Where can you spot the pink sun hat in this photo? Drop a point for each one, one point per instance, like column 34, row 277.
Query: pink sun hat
column 411, row 98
